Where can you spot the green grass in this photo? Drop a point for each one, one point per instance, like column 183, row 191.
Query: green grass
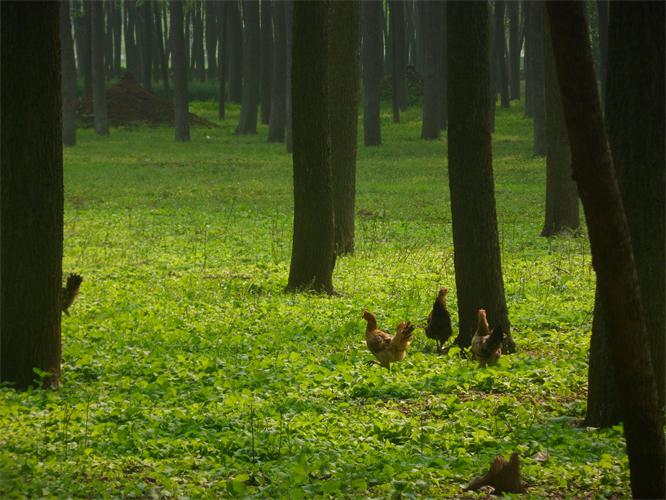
column 187, row 371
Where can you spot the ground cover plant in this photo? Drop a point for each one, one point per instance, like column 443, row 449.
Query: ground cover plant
column 188, row 371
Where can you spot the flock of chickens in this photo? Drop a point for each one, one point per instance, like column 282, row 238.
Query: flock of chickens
column 387, row 348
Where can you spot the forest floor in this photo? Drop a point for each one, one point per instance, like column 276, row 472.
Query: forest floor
column 188, row 371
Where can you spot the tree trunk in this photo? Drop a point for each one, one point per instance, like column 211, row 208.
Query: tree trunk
column 612, row 255
column 251, row 61
column 146, row 42
column 288, row 23
column 313, row 251
column 500, row 60
column 198, row 55
column 419, row 9
column 68, row 77
column 529, row 53
column 279, row 77
column 561, row 195
column 211, row 37
column 443, row 71
column 235, row 51
column 477, row 258
column 222, row 57
column 131, row 57
column 86, row 59
column 430, row 126
column 266, row 59
column 99, row 81
column 180, row 100
column 108, row 36
column 164, row 64
column 602, row 9
column 372, row 71
column 344, row 60
column 410, row 35
column 399, row 67
column 537, row 49
column 515, row 41
column 117, row 36
column 31, row 194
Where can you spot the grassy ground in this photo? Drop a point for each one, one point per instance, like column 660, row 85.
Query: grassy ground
column 187, row 371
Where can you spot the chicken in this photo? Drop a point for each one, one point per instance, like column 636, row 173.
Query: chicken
column 70, row 291
column 439, row 321
column 487, row 346
column 387, row 348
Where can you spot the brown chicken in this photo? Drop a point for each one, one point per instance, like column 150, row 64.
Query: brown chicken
column 387, row 348
column 439, row 321
column 70, row 291
column 487, row 346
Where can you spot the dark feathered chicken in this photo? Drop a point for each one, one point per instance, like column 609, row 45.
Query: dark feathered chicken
column 439, row 321
column 487, row 346
column 70, row 291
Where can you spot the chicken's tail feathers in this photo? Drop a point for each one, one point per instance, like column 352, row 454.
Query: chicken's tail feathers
column 70, row 291
column 404, row 332
column 496, row 338
column 73, row 282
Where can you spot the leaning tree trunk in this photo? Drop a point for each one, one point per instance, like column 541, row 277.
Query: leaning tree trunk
column 538, row 97
column 500, row 60
column 372, row 71
column 251, row 59
column 561, row 195
column 266, row 60
column 399, row 60
column 288, row 24
column 635, row 124
column 313, row 249
column 476, row 245
column 31, row 194
column 515, row 40
column 430, row 125
column 99, row 81
column 612, row 255
column 68, row 77
column 344, row 67
column 235, row 51
column 180, row 100
column 279, row 77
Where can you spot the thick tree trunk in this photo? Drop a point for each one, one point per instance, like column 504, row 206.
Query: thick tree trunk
column 146, row 44
column 279, row 77
column 372, row 71
column 288, row 23
column 399, row 61
column 612, row 255
column 476, row 245
column 222, row 57
column 31, row 194
column 211, row 37
column 344, row 60
column 430, row 125
column 98, row 74
column 180, row 100
column 561, row 195
column 313, row 251
column 499, row 50
column 266, row 60
column 537, row 51
column 164, row 63
column 68, row 77
column 235, row 51
column 515, row 41
column 251, row 61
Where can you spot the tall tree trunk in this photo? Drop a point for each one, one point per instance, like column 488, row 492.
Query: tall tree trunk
column 31, row 193
column 266, row 59
column 211, row 37
column 537, row 51
column 430, row 126
column 344, row 60
column 476, row 246
column 146, row 41
column 180, row 100
column 419, row 9
column 610, row 243
column 443, row 71
column 131, row 56
column 164, row 63
column 561, row 195
column 399, row 61
column 515, row 41
column 251, row 60
column 635, row 125
column 500, row 60
column 529, row 52
column 116, row 13
column 86, row 59
column 222, row 56
column 372, row 71
column 313, row 251
column 235, row 51
column 410, row 35
column 68, row 77
column 99, row 80
column 108, row 36
column 602, row 9
column 289, row 28
column 279, row 77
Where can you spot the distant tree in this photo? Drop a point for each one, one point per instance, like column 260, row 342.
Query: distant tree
column 344, row 60
column 222, row 57
column 635, row 124
column 561, row 196
column 68, row 77
column 279, row 77
column 82, row 25
column 131, row 52
column 164, row 63
column 313, row 249
column 107, row 17
column 99, row 80
column 266, row 59
column 535, row 23
column 527, row 60
column 31, row 193
column 197, row 61
column 610, row 242
column 431, row 123
column 234, row 51
column 372, row 71
column 419, row 25
column 515, row 42
column 499, row 53
column 211, row 9
column 251, row 66
column 410, row 33
column 399, row 61
column 117, row 19
column 475, row 238
column 180, row 98
column 146, row 44
column 288, row 23
column 443, row 71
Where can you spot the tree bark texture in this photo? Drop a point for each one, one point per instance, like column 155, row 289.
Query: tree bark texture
column 251, row 66
column 180, row 98
column 612, row 255
column 515, row 42
column 499, row 51
column 476, row 245
column 313, row 249
column 372, row 71
column 399, row 61
column 276, row 123
column 31, row 193
column 68, row 77
column 266, row 60
column 235, row 51
column 430, row 125
column 99, row 81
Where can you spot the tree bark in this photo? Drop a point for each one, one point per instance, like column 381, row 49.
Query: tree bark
column 251, row 61
column 198, row 57
column 279, row 77
column 211, row 37
column 31, row 193
column 68, row 77
column 235, row 51
column 399, row 61
column 313, row 251
column 372, row 71
column 612, row 255
column 288, row 22
column 515, row 42
column 499, row 50
column 430, row 125
column 602, row 9
column 266, row 60
column 344, row 68
column 537, row 51
column 180, row 100
column 476, row 246
column 99, row 80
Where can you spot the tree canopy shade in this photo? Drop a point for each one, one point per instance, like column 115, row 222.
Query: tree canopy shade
column 612, row 255
column 31, row 193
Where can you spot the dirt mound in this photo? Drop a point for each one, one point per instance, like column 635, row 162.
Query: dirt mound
column 129, row 103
